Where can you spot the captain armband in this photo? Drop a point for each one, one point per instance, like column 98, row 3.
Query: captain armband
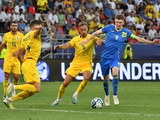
column 133, row 36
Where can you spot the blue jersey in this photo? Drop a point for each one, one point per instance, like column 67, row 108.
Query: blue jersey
column 114, row 41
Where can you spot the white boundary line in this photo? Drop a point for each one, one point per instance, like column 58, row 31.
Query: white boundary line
column 86, row 112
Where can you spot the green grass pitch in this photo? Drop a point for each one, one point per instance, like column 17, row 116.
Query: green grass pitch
column 138, row 101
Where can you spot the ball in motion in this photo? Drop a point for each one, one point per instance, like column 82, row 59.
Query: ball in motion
column 97, row 103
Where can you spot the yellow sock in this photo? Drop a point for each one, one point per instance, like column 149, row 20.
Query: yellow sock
column 22, row 95
column 15, row 82
column 81, row 86
column 26, row 87
column 61, row 91
column 5, row 84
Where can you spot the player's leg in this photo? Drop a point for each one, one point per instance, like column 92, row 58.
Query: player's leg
column 82, row 85
column 5, row 83
column 16, row 74
column 62, row 89
column 105, row 67
column 115, row 81
column 15, row 81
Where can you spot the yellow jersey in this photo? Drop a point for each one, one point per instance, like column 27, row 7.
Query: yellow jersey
column 83, row 53
column 13, row 43
column 32, row 46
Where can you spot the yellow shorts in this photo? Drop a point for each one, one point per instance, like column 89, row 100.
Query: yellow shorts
column 30, row 71
column 74, row 69
column 12, row 67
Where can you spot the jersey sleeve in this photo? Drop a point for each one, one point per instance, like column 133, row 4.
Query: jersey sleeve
column 4, row 41
column 72, row 42
column 129, row 34
column 106, row 29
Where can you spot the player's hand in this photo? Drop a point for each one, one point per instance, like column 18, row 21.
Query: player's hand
column 15, row 54
column 99, row 42
column 156, row 41
column 56, row 47
column 83, row 42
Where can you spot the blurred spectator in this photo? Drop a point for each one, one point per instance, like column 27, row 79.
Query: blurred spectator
column 50, row 5
column 44, row 20
column 53, row 33
column 150, row 13
column 21, row 16
column 76, row 4
column 101, row 24
column 150, row 5
column 82, row 17
column 42, row 5
column 79, row 11
column 58, row 4
column 29, row 3
column 102, row 16
column 12, row 13
column 157, row 6
column 53, row 17
column 68, row 5
column 3, row 21
column 21, row 26
column 97, row 16
column 99, row 4
column 27, row 28
column 90, row 15
column 9, row 7
column 18, row 7
column 68, row 15
column 73, row 31
column 9, row 23
column 109, row 13
column 130, row 6
column 152, row 32
column 61, row 17
column 69, row 25
column 105, row 4
column 93, row 24
column 113, row 4
column 90, row 5
column 140, row 25
column 141, row 7
column 118, row 10
column 130, row 19
column 148, row 25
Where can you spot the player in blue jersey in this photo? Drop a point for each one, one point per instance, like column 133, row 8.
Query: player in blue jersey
column 116, row 35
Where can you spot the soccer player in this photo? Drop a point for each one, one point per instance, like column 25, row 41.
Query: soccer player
column 12, row 40
column 31, row 44
column 116, row 35
column 82, row 62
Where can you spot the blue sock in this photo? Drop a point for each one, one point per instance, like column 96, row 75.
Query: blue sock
column 106, row 86
column 115, row 86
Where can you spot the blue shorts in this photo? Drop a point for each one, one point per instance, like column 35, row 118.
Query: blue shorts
column 107, row 64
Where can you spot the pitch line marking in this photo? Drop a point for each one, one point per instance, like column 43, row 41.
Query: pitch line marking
column 87, row 112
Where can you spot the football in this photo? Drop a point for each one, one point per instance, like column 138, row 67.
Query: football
column 97, row 103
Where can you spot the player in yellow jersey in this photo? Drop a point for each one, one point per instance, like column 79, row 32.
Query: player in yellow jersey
column 31, row 44
column 12, row 40
column 82, row 62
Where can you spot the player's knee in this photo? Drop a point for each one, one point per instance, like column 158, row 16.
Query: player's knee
column 7, row 75
column 115, row 77
column 87, row 78
column 16, row 77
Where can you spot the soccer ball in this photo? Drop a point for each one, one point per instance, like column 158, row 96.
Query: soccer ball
column 97, row 103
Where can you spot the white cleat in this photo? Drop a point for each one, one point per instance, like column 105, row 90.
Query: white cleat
column 8, row 103
column 106, row 100
column 115, row 100
column 55, row 103
column 74, row 99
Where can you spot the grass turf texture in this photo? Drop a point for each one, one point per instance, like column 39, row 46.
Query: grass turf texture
column 138, row 101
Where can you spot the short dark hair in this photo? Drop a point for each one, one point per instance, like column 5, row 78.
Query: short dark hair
column 34, row 22
column 13, row 22
column 82, row 23
column 120, row 16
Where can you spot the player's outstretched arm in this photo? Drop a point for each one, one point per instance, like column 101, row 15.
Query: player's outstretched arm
column 1, row 46
column 63, row 46
column 91, row 37
column 19, row 54
column 142, row 40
